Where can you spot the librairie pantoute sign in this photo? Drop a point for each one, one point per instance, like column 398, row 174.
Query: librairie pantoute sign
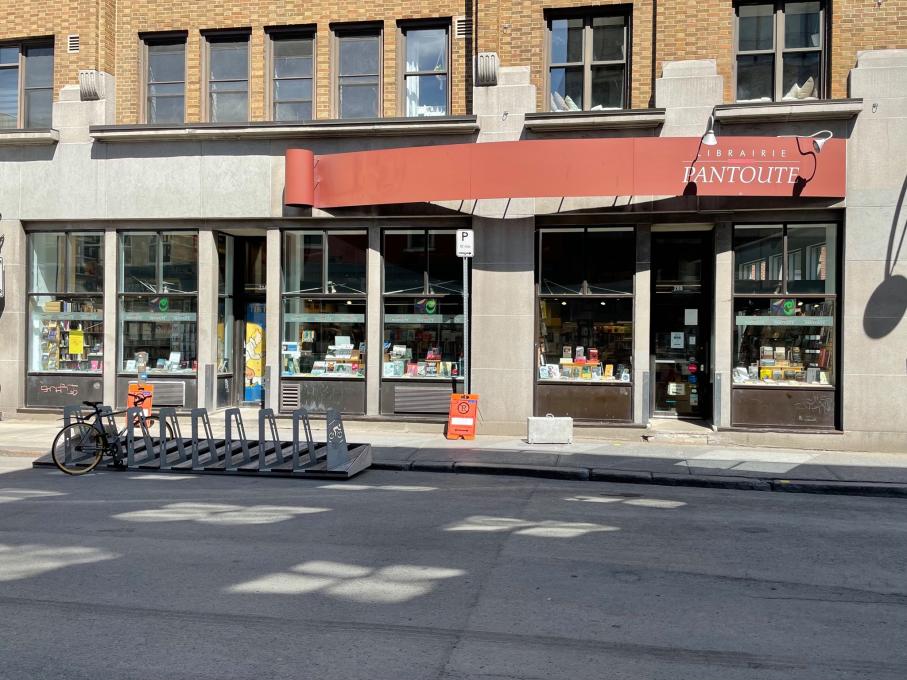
column 639, row 167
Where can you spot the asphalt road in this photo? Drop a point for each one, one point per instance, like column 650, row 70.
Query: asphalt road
column 419, row 575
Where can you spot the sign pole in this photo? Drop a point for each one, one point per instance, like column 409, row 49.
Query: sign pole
column 465, row 325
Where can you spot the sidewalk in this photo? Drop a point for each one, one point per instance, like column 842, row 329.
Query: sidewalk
column 767, row 469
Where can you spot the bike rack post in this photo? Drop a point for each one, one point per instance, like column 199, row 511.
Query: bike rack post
column 68, row 413
column 132, row 415
column 231, row 415
column 263, row 415
column 302, row 414
column 166, row 415
column 202, row 415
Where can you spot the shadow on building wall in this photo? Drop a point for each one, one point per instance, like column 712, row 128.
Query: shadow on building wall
column 888, row 302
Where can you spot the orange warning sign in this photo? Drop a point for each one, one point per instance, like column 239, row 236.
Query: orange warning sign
column 140, row 396
column 461, row 420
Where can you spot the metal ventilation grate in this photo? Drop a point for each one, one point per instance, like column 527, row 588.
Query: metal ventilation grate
column 72, row 44
column 462, row 27
column 169, row 393
column 290, row 396
column 411, row 399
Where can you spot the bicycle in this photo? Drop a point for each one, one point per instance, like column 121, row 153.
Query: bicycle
column 81, row 445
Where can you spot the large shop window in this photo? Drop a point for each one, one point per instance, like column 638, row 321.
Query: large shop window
column 785, row 304
column 780, row 51
column 158, row 301
column 65, row 302
column 423, row 305
column 587, row 61
column 586, row 305
column 324, row 304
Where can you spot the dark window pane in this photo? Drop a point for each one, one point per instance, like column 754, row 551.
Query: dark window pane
column 317, row 337
column 229, row 107
column 166, row 90
column 180, row 258
column 562, row 262
column 165, row 327
column 800, row 79
column 224, row 264
column 566, row 41
column 445, row 269
column 39, row 66
column 426, row 50
column 426, row 95
column 256, row 265
column 294, row 111
column 566, row 89
column 784, row 341
column 404, row 262
column 9, row 97
column 139, row 263
column 607, row 87
column 610, row 260
column 423, row 337
column 758, row 258
column 47, row 254
column 9, row 55
column 229, row 60
column 303, row 262
column 608, row 39
column 599, row 332
column 346, row 263
column 811, row 258
column 86, row 263
column 679, row 260
column 755, row 77
column 359, row 55
column 293, row 58
column 359, row 97
column 38, row 108
column 755, row 27
column 166, row 109
column 294, row 89
column 166, row 63
column 802, row 24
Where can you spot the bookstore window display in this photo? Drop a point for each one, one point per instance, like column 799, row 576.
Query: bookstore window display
column 158, row 302
column 586, row 305
column 423, row 305
column 785, row 338
column 324, row 336
column 65, row 303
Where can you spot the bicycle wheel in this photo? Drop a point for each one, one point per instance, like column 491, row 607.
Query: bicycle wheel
column 78, row 448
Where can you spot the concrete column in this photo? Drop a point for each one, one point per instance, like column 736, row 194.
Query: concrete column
column 642, row 309
column 872, row 366
column 503, row 323
column 722, row 359
column 273, row 331
column 111, row 321
column 13, row 313
column 207, row 318
column 374, row 338
column 688, row 91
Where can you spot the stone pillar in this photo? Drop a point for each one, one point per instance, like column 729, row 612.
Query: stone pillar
column 374, row 342
column 111, row 321
column 207, row 318
column 13, row 316
column 273, row 331
column 688, row 91
column 722, row 360
column 642, row 308
column 872, row 371
column 80, row 106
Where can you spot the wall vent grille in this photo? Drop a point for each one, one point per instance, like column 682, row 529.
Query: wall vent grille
column 72, row 44
column 462, row 27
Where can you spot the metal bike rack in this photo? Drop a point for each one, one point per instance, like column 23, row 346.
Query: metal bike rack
column 132, row 415
column 234, row 416
column 302, row 415
column 168, row 415
column 201, row 415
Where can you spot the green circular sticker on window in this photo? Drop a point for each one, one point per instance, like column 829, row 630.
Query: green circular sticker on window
column 789, row 307
column 164, row 304
column 431, row 306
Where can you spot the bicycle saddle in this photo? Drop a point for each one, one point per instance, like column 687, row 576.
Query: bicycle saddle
column 92, row 404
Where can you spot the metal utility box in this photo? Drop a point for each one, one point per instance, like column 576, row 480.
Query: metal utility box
column 549, row 430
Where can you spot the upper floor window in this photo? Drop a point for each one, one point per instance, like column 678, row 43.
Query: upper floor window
column 587, row 61
column 165, row 79
column 292, row 66
column 228, row 78
column 425, row 70
column 26, row 85
column 358, row 73
column 780, row 51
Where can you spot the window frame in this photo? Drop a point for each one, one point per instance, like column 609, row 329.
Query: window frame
column 404, row 27
column 588, row 14
column 151, row 40
column 217, row 36
column 275, row 34
column 352, row 30
column 778, row 50
column 21, row 67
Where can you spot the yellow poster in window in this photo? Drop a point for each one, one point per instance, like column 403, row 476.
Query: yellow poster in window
column 76, row 341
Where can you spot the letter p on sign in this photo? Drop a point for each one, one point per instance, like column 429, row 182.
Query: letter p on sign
column 465, row 243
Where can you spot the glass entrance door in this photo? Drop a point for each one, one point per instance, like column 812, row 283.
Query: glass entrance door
column 681, row 323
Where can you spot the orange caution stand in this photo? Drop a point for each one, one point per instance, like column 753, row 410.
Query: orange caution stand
column 461, row 419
